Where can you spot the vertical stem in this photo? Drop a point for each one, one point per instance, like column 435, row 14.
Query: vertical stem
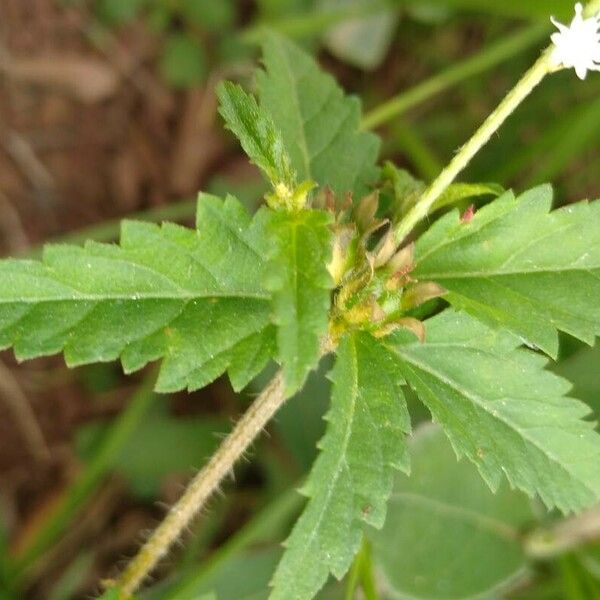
column 202, row 487
column 361, row 573
column 524, row 87
column 353, row 578
column 486, row 59
column 368, row 576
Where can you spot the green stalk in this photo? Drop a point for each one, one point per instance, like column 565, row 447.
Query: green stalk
column 489, row 57
column 368, row 584
column 361, row 574
column 103, row 460
column 353, row 578
column 202, row 487
column 524, row 87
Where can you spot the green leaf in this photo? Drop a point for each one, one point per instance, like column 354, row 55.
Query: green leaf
column 300, row 284
column 250, row 356
column 183, row 62
column 352, row 478
column 192, row 297
column 442, row 520
column 502, row 409
column 260, row 138
column 320, row 125
column 458, row 192
column 520, row 266
column 407, row 191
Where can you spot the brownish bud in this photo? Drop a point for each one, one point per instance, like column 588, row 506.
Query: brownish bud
column 421, row 293
column 364, row 213
column 377, row 314
column 403, row 261
column 386, row 249
column 339, row 259
column 413, row 325
column 468, row 215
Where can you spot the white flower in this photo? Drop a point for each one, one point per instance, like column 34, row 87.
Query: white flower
column 578, row 45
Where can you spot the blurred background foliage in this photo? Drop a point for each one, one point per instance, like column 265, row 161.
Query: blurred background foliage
column 107, row 109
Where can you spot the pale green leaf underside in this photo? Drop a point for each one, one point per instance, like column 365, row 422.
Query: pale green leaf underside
column 442, row 520
column 520, row 266
column 191, row 297
column 300, row 285
column 257, row 133
column 502, row 409
column 352, row 478
column 320, row 125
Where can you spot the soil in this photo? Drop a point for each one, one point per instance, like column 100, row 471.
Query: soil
column 88, row 132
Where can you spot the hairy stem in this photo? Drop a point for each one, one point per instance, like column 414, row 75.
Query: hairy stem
column 489, row 57
column 524, row 87
column 202, row 487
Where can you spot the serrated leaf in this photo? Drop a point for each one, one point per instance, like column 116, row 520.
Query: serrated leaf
column 300, row 285
column 249, row 357
column 254, row 127
column 520, row 266
column 502, row 409
column 408, row 190
column 321, row 126
column 352, row 478
column 442, row 520
column 457, row 192
column 190, row 297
